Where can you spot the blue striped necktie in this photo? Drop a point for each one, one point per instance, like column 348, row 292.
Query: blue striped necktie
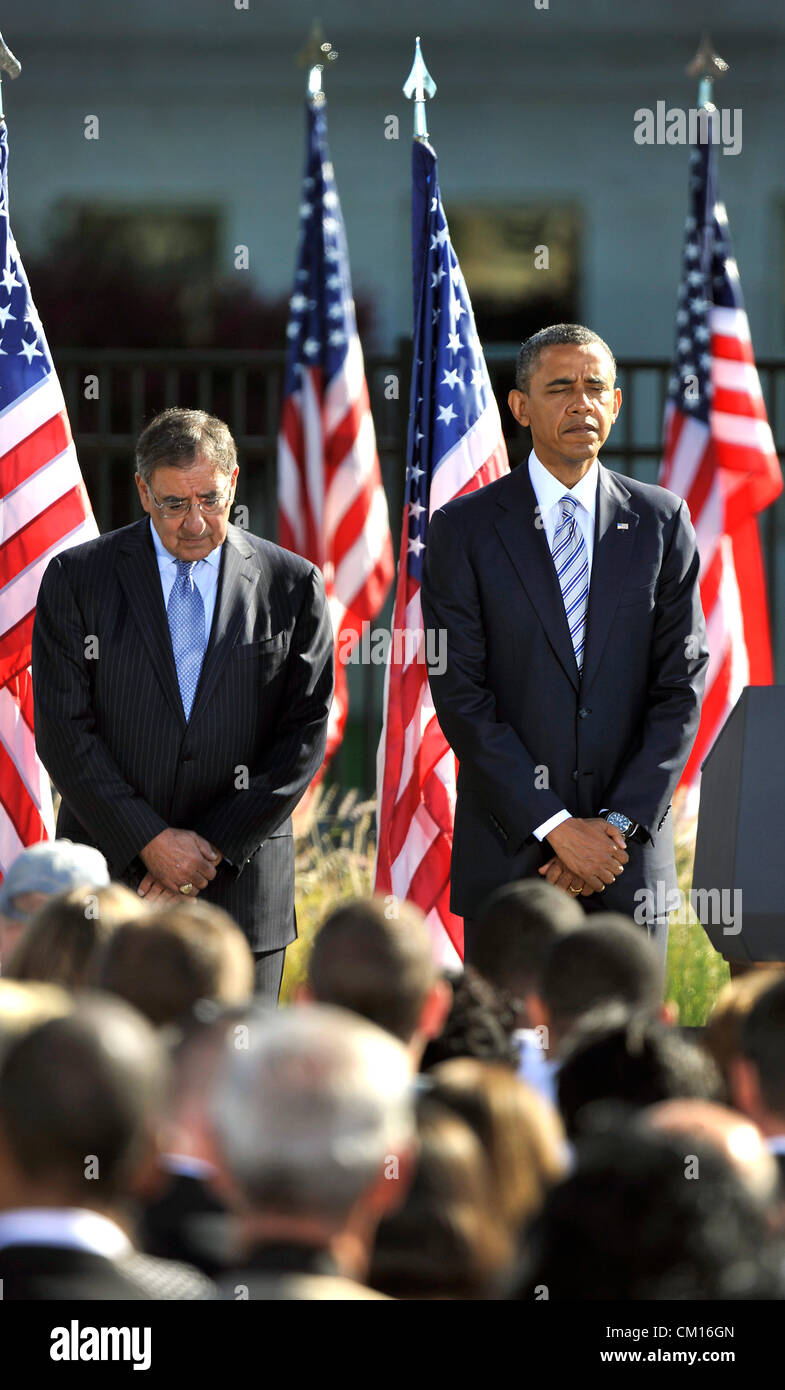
column 185, row 611
column 571, row 559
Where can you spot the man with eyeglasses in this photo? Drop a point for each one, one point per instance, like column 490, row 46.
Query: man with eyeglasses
column 183, row 675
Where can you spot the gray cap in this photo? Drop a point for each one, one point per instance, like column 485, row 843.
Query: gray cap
column 51, row 867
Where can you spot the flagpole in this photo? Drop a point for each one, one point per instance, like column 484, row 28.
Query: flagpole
column 707, row 65
column 419, row 85
column 9, row 64
column 313, row 56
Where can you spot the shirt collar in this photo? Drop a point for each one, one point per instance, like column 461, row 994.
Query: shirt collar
column 548, row 490
column 214, row 557
column 73, row 1228
column 186, row 1166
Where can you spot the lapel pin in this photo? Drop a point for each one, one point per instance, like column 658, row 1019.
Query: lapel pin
column 622, row 526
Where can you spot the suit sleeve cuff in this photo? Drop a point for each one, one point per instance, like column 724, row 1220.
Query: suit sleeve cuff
column 551, row 824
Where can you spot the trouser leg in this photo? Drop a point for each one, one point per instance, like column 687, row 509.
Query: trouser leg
column 268, row 974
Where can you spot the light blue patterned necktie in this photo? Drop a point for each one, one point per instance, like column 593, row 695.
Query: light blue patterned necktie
column 185, row 611
column 571, row 559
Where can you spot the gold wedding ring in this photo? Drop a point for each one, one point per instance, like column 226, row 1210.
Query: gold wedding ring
column 572, row 890
column 186, row 889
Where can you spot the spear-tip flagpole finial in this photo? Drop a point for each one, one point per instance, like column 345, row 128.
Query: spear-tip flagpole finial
column 706, row 65
column 10, row 64
column 419, row 85
column 313, row 56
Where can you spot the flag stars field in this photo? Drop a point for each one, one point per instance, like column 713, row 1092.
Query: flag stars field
column 332, row 507
column 50, row 511
column 449, row 452
column 719, row 456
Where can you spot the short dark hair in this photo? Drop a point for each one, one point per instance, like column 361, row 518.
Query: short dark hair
column 90, row 1083
column 627, row 1225
column 176, row 437
column 375, row 965
column 637, row 1062
column 763, row 1043
column 557, row 335
column 516, row 929
column 609, row 960
column 480, row 1024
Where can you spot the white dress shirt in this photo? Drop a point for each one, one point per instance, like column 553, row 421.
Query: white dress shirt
column 67, row 1228
column 549, row 492
column 205, row 576
column 534, row 1066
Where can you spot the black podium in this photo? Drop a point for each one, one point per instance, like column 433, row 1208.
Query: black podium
column 738, row 881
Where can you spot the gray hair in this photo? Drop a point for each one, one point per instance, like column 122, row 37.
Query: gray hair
column 311, row 1105
column 557, row 335
column 176, row 437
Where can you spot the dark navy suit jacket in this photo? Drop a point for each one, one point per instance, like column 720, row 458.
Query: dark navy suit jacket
column 111, row 731
column 532, row 735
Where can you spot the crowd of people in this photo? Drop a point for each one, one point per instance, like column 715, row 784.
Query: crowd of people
column 537, row 1127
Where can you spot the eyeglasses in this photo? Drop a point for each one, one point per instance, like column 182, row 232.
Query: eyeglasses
column 209, row 506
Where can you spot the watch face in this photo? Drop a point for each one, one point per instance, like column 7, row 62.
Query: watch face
column 622, row 823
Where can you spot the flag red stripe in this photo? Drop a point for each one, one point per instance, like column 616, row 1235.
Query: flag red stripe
column 712, row 712
column 341, row 439
column 17, row 803
column 43, row 531
column 15, row 648
column 39, row 448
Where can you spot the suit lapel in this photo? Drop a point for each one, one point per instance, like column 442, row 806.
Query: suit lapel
column 138, row 573
column 614, row 537
column 526, row 543
column 239, row 572
column 139, row 576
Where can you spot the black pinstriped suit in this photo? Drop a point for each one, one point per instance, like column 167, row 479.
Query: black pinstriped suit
column 111, row 731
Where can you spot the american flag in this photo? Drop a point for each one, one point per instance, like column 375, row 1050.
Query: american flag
column 44, row 508
column 719, row 456
column 331, row 502
column 455, row 445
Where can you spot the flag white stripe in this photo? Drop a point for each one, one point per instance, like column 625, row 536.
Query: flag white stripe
column 709, row 523
column 10, row 844
column 687, row 457
column 29, row 412
column 18, row 597
column 18, row 740
column 313, row 445
column 421, row 834
column 24, row 503
column 289, row 492
column 742, row 429
column 349, row 479
column 736, row 376
column 363, row 556
column 422, row 714
column 444, row 953
column 730, row 323
column 466, row 458
column 346, row 386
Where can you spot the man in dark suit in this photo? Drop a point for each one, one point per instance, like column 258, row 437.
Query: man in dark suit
column 183, row 673
column 80, row 1105
column 576, row 653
